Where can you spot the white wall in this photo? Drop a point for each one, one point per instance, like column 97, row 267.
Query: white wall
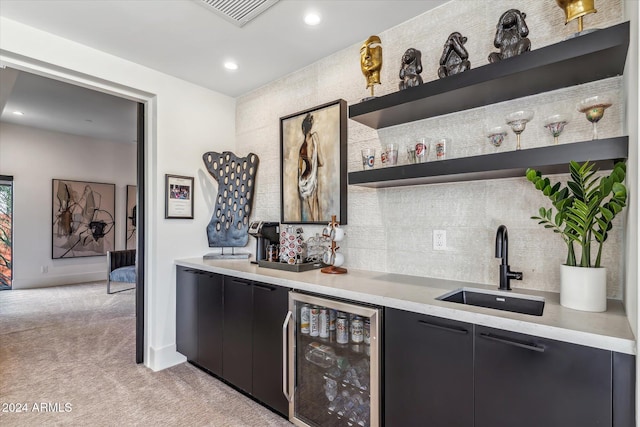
column 632, row 72
column 390, row 230
column 183, row 122
column 34, row 157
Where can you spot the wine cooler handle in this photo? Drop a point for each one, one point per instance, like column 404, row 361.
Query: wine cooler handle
column 285, row 377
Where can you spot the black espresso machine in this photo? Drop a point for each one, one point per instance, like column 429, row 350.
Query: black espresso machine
column 266, row 233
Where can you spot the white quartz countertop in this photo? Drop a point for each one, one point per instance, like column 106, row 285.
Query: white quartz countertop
column 609, row 330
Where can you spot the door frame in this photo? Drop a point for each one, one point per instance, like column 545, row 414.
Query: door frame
column 146, row 155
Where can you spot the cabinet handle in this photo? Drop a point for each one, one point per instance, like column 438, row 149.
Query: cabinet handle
column 534, row 347
column 444, row 328
column 264, row 287
column 240, row 282
column 285, row 376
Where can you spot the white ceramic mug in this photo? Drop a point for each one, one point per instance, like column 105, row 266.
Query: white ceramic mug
column 339, row 260
column 337, row 234
column 328, row 257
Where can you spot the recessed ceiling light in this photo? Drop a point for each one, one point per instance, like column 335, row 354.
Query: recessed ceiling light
column 312, row 18
column 18, row 113
column 230, row 65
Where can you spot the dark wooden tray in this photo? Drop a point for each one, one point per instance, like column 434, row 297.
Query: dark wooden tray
column 291, row 267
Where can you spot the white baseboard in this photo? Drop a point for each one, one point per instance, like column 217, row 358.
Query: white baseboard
column 48, row 280
column 163, row 358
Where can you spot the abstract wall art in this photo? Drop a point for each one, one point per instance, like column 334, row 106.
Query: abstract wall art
column 83, row 218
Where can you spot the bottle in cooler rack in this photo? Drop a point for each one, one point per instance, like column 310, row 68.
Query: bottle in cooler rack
column 324, row 356
column 332, row 319
column 314, row 322
column 305, row 313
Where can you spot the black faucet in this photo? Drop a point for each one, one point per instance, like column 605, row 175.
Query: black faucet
column 502, row 251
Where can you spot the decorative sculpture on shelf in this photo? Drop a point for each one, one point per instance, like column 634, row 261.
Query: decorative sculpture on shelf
column 371, row 62
column 577, row 9
column 511, row 36
column 455, row 58
column 410, row 69
column 229, row 224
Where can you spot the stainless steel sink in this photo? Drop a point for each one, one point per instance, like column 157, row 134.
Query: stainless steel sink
column 499, row 300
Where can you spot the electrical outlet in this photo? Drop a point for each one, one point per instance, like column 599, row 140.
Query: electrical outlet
column 439, row 240
column 44, row 269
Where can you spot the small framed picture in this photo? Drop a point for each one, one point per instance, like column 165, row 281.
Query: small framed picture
column 178, row 197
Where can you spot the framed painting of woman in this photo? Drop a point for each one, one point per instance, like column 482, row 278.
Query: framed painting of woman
column 313, row 163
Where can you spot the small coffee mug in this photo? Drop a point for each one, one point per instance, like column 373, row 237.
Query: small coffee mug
column 338, row 259
column 337, row 234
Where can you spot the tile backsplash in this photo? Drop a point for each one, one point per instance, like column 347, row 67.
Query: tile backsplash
column 390, row 230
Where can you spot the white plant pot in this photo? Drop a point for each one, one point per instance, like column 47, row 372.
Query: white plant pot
column 583, row 288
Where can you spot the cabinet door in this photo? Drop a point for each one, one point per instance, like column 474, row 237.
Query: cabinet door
column 428, row 370
column 270, row 306
column 237, row 336
column 210, row 322
column 186, row 312
column 522, row 380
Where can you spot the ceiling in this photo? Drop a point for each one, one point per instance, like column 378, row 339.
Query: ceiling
column 184, row 39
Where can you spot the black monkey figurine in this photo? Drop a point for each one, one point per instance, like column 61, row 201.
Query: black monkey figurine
column 455, row 58
column 410, row 69
column 511, row 36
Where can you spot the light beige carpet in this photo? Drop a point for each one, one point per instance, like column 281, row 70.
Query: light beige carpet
column 72, row 349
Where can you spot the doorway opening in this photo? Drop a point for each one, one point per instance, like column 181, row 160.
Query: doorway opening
column 6, row 231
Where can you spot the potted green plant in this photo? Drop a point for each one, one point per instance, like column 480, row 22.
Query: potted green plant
column 582, row 214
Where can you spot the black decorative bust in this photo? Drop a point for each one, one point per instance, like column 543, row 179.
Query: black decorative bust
column 455, row 58
column 410, row 69
column 511, row 36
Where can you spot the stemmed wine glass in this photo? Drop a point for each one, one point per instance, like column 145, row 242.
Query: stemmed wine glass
column 518, row 122
column 496, row 135
column 593, row 108
column 555, row 125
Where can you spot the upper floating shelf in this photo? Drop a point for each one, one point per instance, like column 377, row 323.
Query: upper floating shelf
column 553, row 159
column 593, row 56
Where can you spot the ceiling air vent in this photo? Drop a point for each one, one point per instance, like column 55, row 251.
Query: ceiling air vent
column 238, row 12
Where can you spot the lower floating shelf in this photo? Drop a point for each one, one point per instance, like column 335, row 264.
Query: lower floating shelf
column 509, row 164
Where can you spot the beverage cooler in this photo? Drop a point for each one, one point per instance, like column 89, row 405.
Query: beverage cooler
column 331, row 375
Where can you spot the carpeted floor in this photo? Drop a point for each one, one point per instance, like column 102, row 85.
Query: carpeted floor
column 67, row 357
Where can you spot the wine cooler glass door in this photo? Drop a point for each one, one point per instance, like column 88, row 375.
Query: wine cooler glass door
column 333, row 363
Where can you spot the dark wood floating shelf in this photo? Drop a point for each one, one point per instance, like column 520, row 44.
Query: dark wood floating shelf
column 553, row 159
column 579, row 60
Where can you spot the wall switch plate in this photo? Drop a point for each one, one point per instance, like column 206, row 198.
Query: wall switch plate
column 44, row 269
column 439, row 240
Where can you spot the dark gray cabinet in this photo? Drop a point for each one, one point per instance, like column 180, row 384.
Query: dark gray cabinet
column 237, row 352
column 186, row 314
column 232, row 328
column 270, row 306
column 210, row 321
column 450, row 373
column 428, row 370
column 530, row 381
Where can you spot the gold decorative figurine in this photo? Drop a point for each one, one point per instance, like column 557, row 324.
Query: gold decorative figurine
column 371, row 62
column 576, row 9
